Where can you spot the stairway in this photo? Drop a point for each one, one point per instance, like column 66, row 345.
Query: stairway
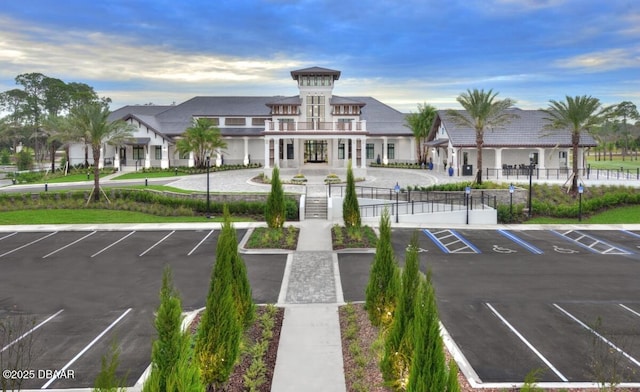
column 316, row 208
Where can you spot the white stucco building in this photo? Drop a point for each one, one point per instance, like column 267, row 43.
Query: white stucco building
column 315, row 128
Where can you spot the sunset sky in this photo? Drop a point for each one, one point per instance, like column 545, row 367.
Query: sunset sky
column 400, row 52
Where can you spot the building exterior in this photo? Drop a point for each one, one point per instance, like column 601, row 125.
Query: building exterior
column 525, row 140
column 315, row 128
column 319, row 129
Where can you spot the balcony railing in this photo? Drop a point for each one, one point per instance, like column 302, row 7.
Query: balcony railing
column 333, row 126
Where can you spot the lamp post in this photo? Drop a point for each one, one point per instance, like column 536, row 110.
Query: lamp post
column 467, row 191
column 580, row 191
column 511, row 189
column 530, row 182
column 397, row 190
column 208, row 198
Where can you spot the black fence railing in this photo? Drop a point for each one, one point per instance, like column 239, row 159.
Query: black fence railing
column 415, row 202
column 522, row 173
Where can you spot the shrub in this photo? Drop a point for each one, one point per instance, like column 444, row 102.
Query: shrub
column 382, row 288
column 350, row 207
column 219, row 332
column 242, row 297
column 398, row 348
column 275, row 210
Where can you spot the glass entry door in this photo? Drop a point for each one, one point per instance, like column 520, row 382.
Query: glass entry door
column 315, row 151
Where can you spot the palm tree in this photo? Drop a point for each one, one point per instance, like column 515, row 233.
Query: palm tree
column 420, row 123
column 203, row 137
column 483, row 111
column 576, row 114
column 90, row 122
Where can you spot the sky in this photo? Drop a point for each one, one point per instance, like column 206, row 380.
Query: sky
column 402, row 52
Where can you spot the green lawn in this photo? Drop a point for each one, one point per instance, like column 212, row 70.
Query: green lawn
column 62, row 216
column 615, row 164
column 628, row 214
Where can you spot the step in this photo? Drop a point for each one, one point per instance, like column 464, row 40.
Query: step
column 316, row 208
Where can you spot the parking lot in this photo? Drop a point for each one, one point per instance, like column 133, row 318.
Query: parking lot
column 87, row 289
column 566, row 302
column 513, row 301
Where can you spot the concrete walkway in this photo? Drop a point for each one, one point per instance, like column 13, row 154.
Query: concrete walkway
column 310, row 350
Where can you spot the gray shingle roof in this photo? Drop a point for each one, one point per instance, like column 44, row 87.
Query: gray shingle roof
column 528, row 129
column 173, row 120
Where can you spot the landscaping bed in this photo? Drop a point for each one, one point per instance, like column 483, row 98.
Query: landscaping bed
column 353, row 237
column 268, row 238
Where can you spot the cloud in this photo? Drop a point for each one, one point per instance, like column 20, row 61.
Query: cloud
column 606, row 60
column 97, row 56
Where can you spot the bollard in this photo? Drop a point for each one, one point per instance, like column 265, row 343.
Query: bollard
column 176, row 171
column 146, row 182
column 46, row 187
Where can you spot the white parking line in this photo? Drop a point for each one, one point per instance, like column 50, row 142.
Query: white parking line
column 535, row 351
column 24, row 335
column 200, row 243
column 613, row 346
column 9, row 235
column 104, row 249
column 156, row 244
column 630, row 310
column 68, row 245
column 84, row 350
column 30, row 243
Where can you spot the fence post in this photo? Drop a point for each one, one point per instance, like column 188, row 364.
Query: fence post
column 412, row 207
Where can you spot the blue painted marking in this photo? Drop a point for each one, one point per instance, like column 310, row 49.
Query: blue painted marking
column 622, row 250
column 435, row 241
column 469, row 244
column 574, row 241
column 631, row 233
column 531, row 248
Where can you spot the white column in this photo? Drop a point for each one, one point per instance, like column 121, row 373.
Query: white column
column 385, row 158
column 412, row 154
column 147, row 156
column 541, row 158
column 101, row 162
column 363, row 151
column 276, row 152
column 218, row 158
column 245, row 161
column 499, row 161
column 266, row 153
column 191, row 162
column 164, row 163
column 116, row 159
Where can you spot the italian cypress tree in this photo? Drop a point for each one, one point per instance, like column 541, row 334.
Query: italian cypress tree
column 219, row 333
column 383, row 285
column 240, row 281
column 275, row 210
column 452, row 379
column 350, row 207
column 398, row 348
column 428, row 368
column 173, row 368
column 165, row 352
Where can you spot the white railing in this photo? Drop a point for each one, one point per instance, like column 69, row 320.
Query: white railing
column 331, row 126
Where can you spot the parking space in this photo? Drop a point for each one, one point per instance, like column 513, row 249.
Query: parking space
column 91, row 288
column 549, row 303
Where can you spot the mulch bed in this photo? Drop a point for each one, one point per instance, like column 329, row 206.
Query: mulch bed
column 236, row 382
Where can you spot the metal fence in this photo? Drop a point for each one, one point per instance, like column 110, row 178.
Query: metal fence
column 521, row 173
column 416, row 202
